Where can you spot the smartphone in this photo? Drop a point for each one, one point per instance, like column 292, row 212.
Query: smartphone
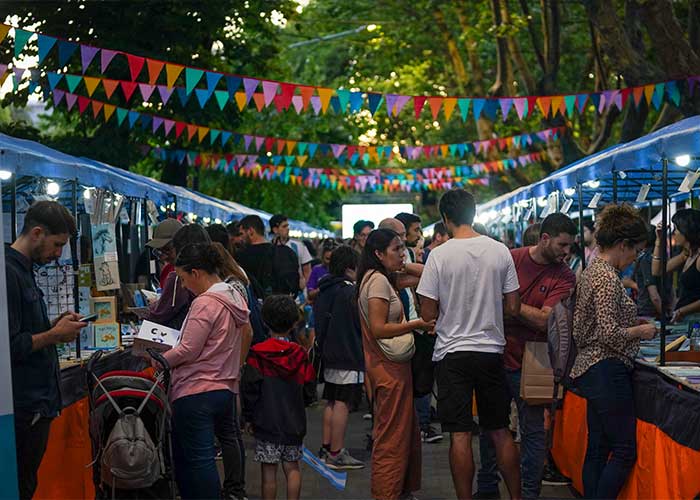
column 88, row 318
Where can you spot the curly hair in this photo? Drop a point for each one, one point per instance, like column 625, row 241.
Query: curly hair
column 620, row 223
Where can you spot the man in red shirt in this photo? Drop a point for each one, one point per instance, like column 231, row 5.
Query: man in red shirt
column 545, row 280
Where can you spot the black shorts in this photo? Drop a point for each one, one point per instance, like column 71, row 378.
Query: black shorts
column 350, row 394
column 458, row 376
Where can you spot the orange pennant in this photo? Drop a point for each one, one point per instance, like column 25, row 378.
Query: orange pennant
column 4, row 30
column 202, row 133
column 154, row 69
column 648, row 92
column 280, row 146
column 241, row 100
column 372, row 150
column 173, row 71
column 544, row 103
column 290, row 146
column 301, row 160
column 444, row 148
column 435, row 103
column 637, row 93
column 96, row 107
column 91, row 84
column 109, row 111
column 557, row 101
column 110, row 86
column 191, row 131
column 449, row 106
column 325, row 95
column 306, row 93
column 259, row 99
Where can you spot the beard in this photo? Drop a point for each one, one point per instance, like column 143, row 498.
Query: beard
column 39, row 257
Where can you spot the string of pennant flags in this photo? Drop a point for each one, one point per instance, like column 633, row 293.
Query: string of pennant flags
column 285, row 95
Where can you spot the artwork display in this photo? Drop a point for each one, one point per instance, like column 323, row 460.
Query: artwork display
column 105, row 308
column 106, row 335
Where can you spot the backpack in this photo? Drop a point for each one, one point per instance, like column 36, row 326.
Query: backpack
column 279, row 272
column 562, row 350
column 260, row 331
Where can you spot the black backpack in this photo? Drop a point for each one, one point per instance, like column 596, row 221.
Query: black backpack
column 278, row 272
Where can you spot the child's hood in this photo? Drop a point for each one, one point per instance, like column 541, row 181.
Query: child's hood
column 283, row 359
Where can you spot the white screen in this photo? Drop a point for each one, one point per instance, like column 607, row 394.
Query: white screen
column 372, row 212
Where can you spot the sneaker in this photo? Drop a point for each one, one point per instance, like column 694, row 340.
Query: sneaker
column 430, row 435
column 486, row 495
column 343, row 461
column 552, row 477
column 323, row 454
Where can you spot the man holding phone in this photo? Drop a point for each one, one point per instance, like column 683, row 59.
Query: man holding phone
column 33, row 338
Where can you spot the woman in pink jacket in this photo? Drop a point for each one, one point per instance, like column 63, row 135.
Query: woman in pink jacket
column 205, row 371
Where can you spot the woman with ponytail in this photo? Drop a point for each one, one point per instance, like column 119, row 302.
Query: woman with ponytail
column 396, row 455
column 205, row 371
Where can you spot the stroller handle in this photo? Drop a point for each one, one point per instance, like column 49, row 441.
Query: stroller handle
column 158, row 357
column 94, row 359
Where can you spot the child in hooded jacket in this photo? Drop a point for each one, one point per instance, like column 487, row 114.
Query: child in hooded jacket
column 273, row 399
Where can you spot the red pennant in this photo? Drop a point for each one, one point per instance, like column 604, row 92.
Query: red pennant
column 110, row 86
column 179, row 128
column 435, row 103
column 279, row 104
column 83, row 103
column 135, row 65
column 418, row 103
column 269, row 143
column 154, row 69
column 625, row 95
column 96, row 108
column 531, row 103
column 287, row 94
column 351, row 151
column 128, row 89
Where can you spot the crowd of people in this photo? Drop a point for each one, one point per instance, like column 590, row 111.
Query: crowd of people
column 262, row 322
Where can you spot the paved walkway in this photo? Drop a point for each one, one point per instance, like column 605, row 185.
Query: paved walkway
column 437, row 482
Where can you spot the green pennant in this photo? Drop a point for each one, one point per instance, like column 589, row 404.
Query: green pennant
column 570, row 101
column 463, row 104
column 221, row 98
column 192, row 77
column 343, row 99
column 121, row 115
column 301, row 147
column 213, row 133
column 73, row 81
column 21, row 39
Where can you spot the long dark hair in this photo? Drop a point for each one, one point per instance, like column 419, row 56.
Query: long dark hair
column 202, row 256
column 378, row 240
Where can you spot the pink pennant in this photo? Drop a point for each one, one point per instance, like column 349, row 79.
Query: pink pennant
column 269, row 91
column 259, row 142
column 87, row 54
column 337, row 149
column 106, row 57
column 168, row 125
column 401, row 101
column 298, row 103
column 247, row 139
column 146, row 91
column 165, row 93
column 71, row 100
column 520, row 106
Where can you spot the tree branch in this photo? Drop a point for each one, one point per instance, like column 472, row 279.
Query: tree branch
column 517, row 55
column 609, row 118
column 452, row 50
column 533, row 34
column 501, row 51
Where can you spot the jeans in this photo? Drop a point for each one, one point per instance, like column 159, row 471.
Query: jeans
column 31, row 439
column 533, row 449
column 423, row 410
column 197, row 419
column 234, row 459
column 612, row 428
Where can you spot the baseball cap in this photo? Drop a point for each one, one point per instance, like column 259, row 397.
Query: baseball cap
column 164, row 232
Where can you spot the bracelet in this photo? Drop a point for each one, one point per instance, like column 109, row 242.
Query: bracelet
column 656, row 258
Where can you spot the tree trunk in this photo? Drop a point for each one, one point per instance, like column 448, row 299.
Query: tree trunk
column 452, row 50
column 517, row 55
column 501, row 51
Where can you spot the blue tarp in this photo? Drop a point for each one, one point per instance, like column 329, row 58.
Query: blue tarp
column 640, row 162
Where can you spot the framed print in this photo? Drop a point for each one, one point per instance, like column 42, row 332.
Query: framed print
column 106, row 335
column 106, row 309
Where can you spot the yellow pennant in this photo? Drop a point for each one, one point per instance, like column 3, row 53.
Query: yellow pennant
column 91, row 84
column 448, row 106
column 325, row 95
column 240, row 100
column 202, row 133
column 109, row 111
column 302, row 159
column 173, row 71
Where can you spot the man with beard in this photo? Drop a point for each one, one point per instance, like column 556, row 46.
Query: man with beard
column 33, row 338
column 545, row 280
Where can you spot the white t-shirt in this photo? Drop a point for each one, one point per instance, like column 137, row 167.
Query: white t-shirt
column 468, row 277
column 302, row 252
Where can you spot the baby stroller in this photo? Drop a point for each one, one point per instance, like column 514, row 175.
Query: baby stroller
column 130, row 432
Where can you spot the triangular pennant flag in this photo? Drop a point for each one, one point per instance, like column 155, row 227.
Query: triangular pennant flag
column 581, row 102
column 390, row 103
column 221, row 98
column 183, row 96
column 435, row 104
column 203, row 96
column 355, row 101
column 87, row 54
column 91, row 84
column 110, row 86
column 146, row 91
column 83, row 103
column 213, row 80
column 44, row 42
column 133, row 117
column 478, row 106
column 21, row 39
column 96, row 107
column 58, row 96
column 556, row 103
column 595, row 98
column 520, row 104
column 109, row 111
column 54, row 78
column 65, row 51
column 259, row 99
column 490, row 109
column 106, row 57
column 121, row 115
column 214, row 134
column 165, row 93
column 241, row 100
column 192, row 77
column 191, row 131
column 316, row 104
column 505, row 103
column 648, row 92
column 225, row 136
column 168, row 126
column 73, row 81
column 269, row 91
column 154, row 69
column 637, row 93
column 343, row 99
column 463, row 103
column 301, row 160
column 179, row 129
column 306, row 94
column 71, row 100
column 448, row 106
column 172, row 72
column 4, row 30
column 128, row 88
column 673, row 92
column 375, row 100
column 290, row 146
column 570, row 102
column 250, row 85
column 18, row 73
column 232, row 85
column 157, row 122
column 325, row 95
column 658, row 97
column 544, row 104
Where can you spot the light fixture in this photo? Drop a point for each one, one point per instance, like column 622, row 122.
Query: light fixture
column 542, row 202
column 172, row 206
column 570, row 192
column 524, row 203
column 622, row 174
column 683, row 160
column 505, row 211
column 192, row 216
column 217, row 221
column 163, row 209
column 52, row 188
column 5, row 174
column 313, row 235
column 87, row 194
column 207, row 220
column 592, row 184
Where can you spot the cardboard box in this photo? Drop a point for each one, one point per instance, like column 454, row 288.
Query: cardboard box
column 155, row 336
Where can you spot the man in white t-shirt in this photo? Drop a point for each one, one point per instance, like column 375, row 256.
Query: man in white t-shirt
column 468, row 284
column 279, row 227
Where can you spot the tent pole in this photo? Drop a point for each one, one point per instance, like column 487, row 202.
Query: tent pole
column 74, row 257
column 580, row 225
column 664, row 258
column 13, row 207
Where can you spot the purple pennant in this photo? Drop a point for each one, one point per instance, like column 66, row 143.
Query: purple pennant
column 416, row 153
column 337, row 149
column 691, row 84
column 505, row 103
column 168, row 125
column 58, row 95
column 250, row 85
column 390, row 103
column 401, row 102
column 542, row 136
column 165, row 93
column 269, row 91
column 3, row 70
column 617, row 99
column 605, row 101
column 252, row 160
column 146, row 91
column 247, row 140
column 70, row 100
column 106, row 57
column 157, row 122
column 259, row 141
column 316, row 104
column 87, row 54
column 240, row 160
column 19, row 73
column 298, row 103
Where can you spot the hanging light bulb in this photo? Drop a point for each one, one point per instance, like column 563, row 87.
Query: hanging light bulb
column 87, row 194
column 5, row 175
column 683, row 160
column 52, row 188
